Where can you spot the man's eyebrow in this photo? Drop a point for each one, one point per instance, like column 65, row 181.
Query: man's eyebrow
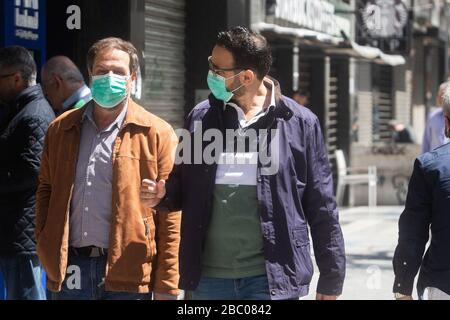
column 101, row 67
column 220, row 68
column 214, row 65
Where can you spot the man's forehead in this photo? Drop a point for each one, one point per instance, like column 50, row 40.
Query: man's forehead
column 113, row 56
column 7, row 69
column 221, row 55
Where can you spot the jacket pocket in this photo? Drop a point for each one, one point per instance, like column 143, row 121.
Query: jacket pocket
column 304, row 268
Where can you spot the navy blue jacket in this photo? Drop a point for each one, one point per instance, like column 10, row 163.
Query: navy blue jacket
column 427, row 207
column 301, row 193
column 21, row 144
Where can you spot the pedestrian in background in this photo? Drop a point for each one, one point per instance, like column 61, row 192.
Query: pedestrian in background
column 434, row 135
column 63, row 85
column 301, row 97
column 401, row 133
column 426, row 212
column 21, row 142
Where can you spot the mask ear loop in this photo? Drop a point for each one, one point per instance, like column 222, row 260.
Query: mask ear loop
column 234, row 77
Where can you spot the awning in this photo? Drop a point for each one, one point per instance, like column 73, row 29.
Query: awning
column 299, row 33
column 366, row 52
column 372, row 53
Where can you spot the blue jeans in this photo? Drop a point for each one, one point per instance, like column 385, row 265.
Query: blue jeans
column 22, row 276
column 85, row 281
column 251, row 288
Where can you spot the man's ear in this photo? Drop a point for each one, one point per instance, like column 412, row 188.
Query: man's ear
column 134, row 76
column 18, row 80
column 58, row 81
column 248, row 77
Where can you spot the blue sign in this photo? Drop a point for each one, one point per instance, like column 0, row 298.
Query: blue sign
column 23, row 24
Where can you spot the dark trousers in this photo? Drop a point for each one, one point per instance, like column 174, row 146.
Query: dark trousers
column 85, row 281
column 22, row 275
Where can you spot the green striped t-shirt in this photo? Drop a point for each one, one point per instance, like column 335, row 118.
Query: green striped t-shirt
column 234, row 242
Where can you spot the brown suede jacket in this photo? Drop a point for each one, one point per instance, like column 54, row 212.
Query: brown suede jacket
column 143, row 245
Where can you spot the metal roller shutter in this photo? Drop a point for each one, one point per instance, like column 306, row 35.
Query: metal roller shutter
column 164, row 59
column 305, row 76
column 331, row 113
column 383, row 107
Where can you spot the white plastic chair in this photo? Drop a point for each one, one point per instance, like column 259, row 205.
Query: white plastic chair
column 367, row 175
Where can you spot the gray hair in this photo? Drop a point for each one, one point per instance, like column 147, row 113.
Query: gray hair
column 64, row 68
column 446, row 98
column 19, row 59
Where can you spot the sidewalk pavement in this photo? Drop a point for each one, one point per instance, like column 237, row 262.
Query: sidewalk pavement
column 370, row 239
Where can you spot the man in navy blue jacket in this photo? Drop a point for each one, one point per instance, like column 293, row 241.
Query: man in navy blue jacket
column 427, row 209
column 21, row 144
column 245, row 219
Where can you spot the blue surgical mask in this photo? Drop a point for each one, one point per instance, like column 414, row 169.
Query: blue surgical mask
column 109, row 90
column 217, row 85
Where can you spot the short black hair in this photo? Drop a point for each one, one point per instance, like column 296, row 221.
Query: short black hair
column 250, row 50
column 19, row 59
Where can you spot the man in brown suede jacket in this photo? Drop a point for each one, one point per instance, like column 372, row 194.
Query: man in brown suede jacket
column 94, row 237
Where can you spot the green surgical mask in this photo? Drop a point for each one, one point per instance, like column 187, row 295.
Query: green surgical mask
column 217, row 85
column 109, row 90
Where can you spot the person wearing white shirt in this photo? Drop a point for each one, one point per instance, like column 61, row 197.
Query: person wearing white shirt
column 434, row 135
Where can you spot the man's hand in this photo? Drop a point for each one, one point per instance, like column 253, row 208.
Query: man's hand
column 320, row 296
column 152, row 192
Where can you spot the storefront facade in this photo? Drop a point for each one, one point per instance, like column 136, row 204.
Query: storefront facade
column 155, row 27
column 23, row 23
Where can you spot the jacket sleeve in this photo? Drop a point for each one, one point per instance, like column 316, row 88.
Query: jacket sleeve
column 44, row 190
column 414, row 228
column 174, row 195
column 167, row 224
column 21, row 173
column 322, row 215
column 172, row 201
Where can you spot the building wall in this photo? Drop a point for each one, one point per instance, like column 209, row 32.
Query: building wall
column 403, row 86
column 394, row 168
column 204, row 19
column 99, row 19
column 393, row 161
column 364, row 103
column 164, row 80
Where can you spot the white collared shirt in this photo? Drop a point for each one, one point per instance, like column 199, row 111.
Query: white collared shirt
column 243, row 122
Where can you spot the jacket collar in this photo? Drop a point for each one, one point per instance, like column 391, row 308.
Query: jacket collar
column 281, row 111
column 28, row 95
column 83, row 93
column 135, row 115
